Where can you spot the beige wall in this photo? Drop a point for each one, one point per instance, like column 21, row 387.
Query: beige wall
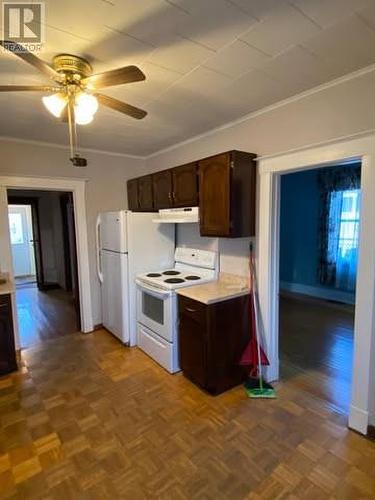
column 341, row 110
column 105, row 190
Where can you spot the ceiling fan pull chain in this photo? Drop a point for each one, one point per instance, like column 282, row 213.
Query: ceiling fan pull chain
column 72, row 127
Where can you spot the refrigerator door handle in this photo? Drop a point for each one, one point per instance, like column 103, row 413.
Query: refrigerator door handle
column 97, row 237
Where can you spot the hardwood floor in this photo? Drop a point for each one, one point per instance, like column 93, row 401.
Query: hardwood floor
column 44, row 315
column 316, row 347
column 86, row 418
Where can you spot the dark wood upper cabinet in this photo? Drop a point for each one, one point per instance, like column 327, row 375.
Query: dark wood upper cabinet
column 8, row 362
column 162, row 186
column 223, row 186
column 145, row 194
column 132, row 186
column 185, row 185
column 227, row 195
column 214, row 199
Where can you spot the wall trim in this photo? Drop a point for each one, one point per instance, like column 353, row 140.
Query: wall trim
column 270, row 171
column 267, row 109
column 319, row 292
column 358, row 419
column 297, row 97
column 335, row 140
column 77, row 187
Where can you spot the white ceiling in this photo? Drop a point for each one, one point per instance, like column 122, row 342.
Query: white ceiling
column 207, row 62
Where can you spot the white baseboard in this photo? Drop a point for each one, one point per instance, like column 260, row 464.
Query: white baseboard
column 358, row 419
column 320, row 292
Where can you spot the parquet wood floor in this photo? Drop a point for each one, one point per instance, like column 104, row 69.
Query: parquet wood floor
column 86, row 418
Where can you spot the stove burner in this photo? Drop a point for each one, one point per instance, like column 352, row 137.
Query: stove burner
column 171, row 273
column 174, row 280
column 192, row 277
column 153, row 275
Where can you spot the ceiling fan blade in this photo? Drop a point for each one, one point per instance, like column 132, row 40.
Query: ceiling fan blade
column 20, row 51
column 118, row 76
column 123, row 107
column 28, row 88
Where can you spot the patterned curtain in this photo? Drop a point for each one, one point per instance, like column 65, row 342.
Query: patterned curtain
column 332, row 182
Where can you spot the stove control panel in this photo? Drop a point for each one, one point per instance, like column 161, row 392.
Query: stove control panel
column 196, row 257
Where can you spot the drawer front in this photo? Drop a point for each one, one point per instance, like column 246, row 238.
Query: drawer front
column 192, row 309
column 163, row 352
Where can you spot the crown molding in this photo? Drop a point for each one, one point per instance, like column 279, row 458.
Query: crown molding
column 335, row 140
column 5, row 138
column 320, row 88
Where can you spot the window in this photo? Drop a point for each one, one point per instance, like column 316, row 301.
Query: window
column 349, row 223
column 15, row 227
column 344, row 216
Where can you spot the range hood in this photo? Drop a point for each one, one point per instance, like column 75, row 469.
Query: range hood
column 177, row 215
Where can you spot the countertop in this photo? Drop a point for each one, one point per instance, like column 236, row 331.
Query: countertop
column 6, row 288
column 227, row 286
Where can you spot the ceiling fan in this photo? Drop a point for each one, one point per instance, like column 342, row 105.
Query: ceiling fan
column 74, row 97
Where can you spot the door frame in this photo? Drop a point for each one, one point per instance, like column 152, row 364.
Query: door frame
column 270, row 170
column 33, row 202
column 77, row 187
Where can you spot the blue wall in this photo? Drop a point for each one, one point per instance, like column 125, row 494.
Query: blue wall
column 299, row 226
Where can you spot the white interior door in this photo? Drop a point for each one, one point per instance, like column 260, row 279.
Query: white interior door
column 21, row 236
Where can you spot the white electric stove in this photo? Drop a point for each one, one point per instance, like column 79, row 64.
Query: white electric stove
column 157, row 302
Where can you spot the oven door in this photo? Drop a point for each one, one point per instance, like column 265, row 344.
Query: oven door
column 156, row 311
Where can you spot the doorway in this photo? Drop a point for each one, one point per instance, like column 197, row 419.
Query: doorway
column 270, row 170
column 22, row 242
column 44, row 255
column 319, row 236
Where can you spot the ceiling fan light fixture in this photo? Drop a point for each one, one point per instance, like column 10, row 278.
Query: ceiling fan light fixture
column 82, row 118
column 55, row 103
column 86, row 104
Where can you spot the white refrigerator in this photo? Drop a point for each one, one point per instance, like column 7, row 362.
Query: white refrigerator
column 128, row 243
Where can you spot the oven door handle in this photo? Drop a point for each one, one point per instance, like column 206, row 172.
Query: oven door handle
column 159, row 294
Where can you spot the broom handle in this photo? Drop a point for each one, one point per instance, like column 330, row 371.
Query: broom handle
column 255, row 305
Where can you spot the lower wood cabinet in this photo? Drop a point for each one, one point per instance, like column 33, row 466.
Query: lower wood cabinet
column 8, row 361
column 212, row 339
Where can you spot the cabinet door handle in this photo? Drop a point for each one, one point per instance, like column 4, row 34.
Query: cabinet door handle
column 190, row 310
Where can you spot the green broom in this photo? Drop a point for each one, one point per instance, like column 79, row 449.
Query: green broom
column 257, row 387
